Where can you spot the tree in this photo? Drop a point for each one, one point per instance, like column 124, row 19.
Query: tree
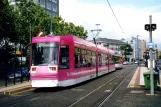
column 8, row 31
column 31, row 15
column 7, row 23
column 159, row 56
column 126, row 50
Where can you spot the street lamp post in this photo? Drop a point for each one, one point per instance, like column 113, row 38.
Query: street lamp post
column 51, row 26
column 138, row 49
column 98, row 31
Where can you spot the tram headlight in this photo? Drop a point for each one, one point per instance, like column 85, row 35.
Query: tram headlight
column 33, row 69
column 53, row 69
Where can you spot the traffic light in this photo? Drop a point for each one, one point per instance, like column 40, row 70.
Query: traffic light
column 153, row 27
column 147, row 27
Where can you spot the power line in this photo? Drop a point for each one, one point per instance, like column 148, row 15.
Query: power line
column 116, row 18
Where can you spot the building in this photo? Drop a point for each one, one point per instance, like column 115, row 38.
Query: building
column 136, row 44
column 112, row 44
column 159, row 54
column 143, row 47
column 50, row 6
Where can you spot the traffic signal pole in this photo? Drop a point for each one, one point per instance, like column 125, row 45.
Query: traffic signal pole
column 151, row 60
column 151, row 27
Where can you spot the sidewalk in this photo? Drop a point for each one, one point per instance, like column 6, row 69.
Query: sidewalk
column 138, row 78
column 15, row 88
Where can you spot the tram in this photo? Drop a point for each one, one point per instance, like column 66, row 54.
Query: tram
column 67, row 60
column 118, row 61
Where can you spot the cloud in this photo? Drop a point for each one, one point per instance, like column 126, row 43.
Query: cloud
column 131, row 18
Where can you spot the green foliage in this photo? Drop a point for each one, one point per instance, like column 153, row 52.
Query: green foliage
column 32, row 15
column 113, row 59
column 8, row 32
column 126, row 49
column 7, row 23
column 159, row 56
column 28, row 18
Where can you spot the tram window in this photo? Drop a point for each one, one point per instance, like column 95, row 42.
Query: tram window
column 88, row 57
column 104, row 59
column 77, row 57
column 83, row 58
column 93, row 58
column 64, row 57
column 111, row 59
column 99, row 59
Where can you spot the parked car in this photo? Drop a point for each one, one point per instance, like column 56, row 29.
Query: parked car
column 125, row 63
column 25, row 73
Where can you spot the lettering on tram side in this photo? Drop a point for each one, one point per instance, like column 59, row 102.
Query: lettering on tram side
column 78, row 73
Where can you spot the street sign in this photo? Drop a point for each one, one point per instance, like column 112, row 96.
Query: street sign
column 150, row 45
column 131, row 41
column 149, row 64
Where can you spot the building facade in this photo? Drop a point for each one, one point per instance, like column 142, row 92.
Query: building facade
column 143, row 48
column 112, row 44
column 50, row 6
column 159, row 54
column 136, row 44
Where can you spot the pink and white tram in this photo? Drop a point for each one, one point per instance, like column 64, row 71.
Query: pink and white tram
column 118, row 61
column 67, row 60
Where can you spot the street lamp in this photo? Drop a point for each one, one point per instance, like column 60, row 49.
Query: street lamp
column 138, row 48
column 98, row 31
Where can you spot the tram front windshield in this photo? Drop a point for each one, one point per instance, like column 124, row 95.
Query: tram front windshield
column 44, row 54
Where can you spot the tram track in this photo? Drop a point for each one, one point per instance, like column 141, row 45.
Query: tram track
column 98, row 96
column 107, row 97
column 55, row 96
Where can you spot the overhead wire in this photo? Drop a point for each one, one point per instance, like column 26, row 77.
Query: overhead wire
column 117, row 19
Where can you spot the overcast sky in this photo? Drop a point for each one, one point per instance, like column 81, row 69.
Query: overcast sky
column 132, row 15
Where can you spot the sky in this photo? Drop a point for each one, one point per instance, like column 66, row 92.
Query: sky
column 131, row 14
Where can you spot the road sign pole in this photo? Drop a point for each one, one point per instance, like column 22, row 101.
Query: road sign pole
column 151, row 59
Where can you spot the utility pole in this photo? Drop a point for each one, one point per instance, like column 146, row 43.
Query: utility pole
column 151, row 27
column 51, row 26
column 98, row 31
column 138, row 49
column 151, row 60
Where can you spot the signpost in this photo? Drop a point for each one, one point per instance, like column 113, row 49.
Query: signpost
column 151, row 27
column 150, row 45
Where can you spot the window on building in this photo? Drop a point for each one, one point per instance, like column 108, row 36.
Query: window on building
column 48, row 5
column 55, row 1
column 42, row 3
column 64, row 57
column 54, row 7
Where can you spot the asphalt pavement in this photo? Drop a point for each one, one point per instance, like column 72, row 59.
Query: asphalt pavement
column 63, row 97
